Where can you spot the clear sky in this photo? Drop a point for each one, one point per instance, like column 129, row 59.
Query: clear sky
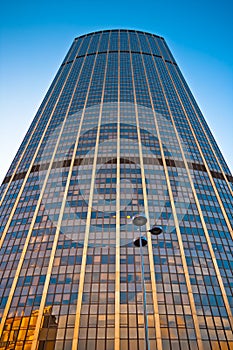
column 35, row 36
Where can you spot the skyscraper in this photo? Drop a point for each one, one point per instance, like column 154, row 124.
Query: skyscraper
column 118, row 134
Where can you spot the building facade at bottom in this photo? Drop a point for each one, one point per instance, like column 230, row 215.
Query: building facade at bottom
column 118, row 134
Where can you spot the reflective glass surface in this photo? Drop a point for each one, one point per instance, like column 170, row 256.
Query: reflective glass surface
column 118, row 133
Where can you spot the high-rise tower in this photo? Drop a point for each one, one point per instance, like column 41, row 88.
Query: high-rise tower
column 118, row 133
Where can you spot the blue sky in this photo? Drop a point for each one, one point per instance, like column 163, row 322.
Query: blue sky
column 35, row 36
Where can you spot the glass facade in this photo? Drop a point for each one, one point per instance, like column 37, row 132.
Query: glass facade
column 119, row 133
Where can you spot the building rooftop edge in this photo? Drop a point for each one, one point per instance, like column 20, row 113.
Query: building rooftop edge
column 118, row 30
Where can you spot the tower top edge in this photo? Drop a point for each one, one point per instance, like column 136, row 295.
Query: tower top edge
column 119, row 30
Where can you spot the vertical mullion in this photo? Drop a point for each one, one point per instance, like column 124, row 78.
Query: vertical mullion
column 32, row 161
column 202, row 126
column 56, row 237
column 117, row 261
column 24, row 251
column 201, row 153
column 219, row 277
column 150, row 252
column 33, row 131
column 88, row 219
column 179, row 236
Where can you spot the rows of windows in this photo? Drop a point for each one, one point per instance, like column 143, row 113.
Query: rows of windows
column 138, row 81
